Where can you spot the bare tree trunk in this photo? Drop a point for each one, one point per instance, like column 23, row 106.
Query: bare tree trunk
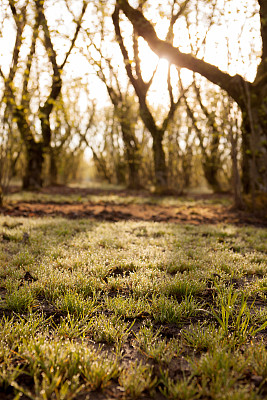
column 33, row 172
column 210, row 171
column 134, row 177
column 53, row 169
column 254, row 141
column 132, row 152
column 160, row 168
column 238, row 201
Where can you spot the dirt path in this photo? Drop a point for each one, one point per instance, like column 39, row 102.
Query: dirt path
column 109, row 211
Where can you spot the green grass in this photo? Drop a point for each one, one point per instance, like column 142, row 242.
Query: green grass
column 132, row 309
column 116, row 195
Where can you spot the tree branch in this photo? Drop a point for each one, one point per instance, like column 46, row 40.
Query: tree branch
column 232, row 85
column 128, row 67
column 20, row 20
column 26, row 75
column 47, row 39
column 78, row 27
column 174, row 18
column 261, row 76
column 139, row 85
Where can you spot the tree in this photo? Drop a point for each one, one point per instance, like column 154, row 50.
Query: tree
column 250, row 96
column 100, row 134
column 209, row 134
column 133, row 70
column 124, row 111
column 10, row 149
column 20, row 99
column 61, row 139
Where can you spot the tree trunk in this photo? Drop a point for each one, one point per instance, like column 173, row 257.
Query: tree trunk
column 120, row 171
column 210, row 171
column 53, row 169
column 160, row 168
column 132, row 152
column 101, row 166
column 34, row 162
column 213, row 164
column 254, row 140
column 238, row 201
column 133, row 168
column 245, row 149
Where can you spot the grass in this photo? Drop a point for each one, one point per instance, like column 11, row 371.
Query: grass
column 131, row 309
column 114, row 194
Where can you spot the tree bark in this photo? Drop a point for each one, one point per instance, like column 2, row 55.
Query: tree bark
column 53, row 169
column 238, row 201
column 132, row 153
column 160, row 168
column 254, row 138
column 210, row 171
column 32, row 179
column 212, row 164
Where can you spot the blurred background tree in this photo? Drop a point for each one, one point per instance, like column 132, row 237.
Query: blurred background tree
column 77, row 84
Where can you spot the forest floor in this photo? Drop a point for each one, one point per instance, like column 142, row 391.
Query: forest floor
column 115, row 205
column 114, row 295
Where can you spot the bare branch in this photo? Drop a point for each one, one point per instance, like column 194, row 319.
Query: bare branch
column 78, row 27
column 128, row 67
column 261, row 72
column 26, row 76
column 2, row 74
column 173, row 105
column 233, row 85
column 136, row 56
column 20, row 20
column 47, row 39
column 174, row 18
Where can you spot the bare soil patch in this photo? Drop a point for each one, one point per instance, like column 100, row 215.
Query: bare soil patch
column 198, row 213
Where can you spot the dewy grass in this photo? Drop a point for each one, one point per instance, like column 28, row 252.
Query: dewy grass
column 153, row 346
column 136, row 378
column 72, row 327
column 99, row 372
column 21, row 299
column 131, row 309
column 165, row 309
column 110, row 329
column 74, row 303
column 201, row 337
column 129, row 306
column 234, row 315
column 219, row 372
column 184, row 388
